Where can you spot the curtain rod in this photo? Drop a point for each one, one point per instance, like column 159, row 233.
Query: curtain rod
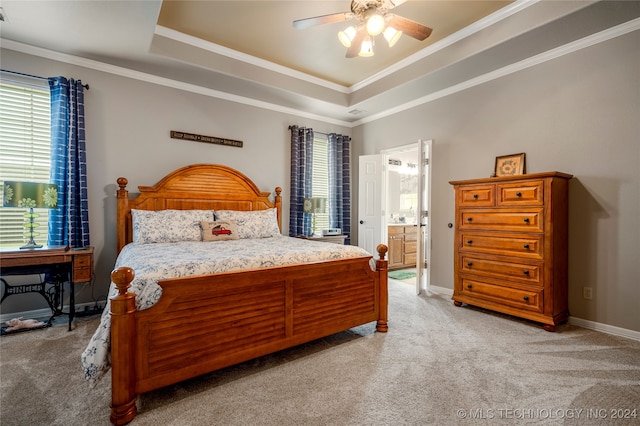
column 86, row 86
column 314, row 131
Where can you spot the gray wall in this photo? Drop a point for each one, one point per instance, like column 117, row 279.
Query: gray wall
column 127, row 129
column 578, row 114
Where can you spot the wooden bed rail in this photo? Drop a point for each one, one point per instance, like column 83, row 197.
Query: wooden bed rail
column 128, row 381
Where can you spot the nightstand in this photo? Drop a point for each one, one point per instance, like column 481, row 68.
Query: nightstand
column 57, row 265
column 335, row 239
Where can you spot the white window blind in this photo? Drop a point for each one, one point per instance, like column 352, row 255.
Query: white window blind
column 25, row 150
column 320, row 179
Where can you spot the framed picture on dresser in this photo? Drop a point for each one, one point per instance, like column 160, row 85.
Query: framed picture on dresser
column 510, row 165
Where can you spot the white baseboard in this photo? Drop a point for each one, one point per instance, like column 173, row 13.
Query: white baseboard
column 39, row 313
column 591, row 325
column 441, row 290
column 605, row 328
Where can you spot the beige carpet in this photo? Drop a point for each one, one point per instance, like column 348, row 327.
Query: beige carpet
column 438, row 365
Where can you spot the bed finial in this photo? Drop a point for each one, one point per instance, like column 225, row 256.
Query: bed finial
column 122, row 183
column 382, row 250
column 122, row 278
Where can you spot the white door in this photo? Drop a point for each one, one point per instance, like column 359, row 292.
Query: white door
column 423, row 248
column 370, row 192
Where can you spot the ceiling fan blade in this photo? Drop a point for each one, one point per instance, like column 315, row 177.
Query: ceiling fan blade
column 356, row 43
column 410, row 28
column 302, row 24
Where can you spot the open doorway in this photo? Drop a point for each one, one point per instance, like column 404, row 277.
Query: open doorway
column 406, row 200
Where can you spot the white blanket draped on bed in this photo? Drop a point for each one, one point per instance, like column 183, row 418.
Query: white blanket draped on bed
column 154, row 262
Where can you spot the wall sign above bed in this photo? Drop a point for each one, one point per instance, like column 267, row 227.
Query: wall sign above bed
column 202, row 138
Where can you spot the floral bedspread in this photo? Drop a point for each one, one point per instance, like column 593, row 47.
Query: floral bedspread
column 154, row 262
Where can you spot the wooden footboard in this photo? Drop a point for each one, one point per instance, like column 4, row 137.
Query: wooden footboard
column 205, row 323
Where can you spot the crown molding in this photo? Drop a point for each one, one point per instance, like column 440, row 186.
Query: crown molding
column 566, row 49
column 585, row 42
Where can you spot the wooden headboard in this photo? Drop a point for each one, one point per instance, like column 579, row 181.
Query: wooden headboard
column 195, row 187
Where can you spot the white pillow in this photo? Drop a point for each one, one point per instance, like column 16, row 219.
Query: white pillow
column 168, row 226
column 253, row 224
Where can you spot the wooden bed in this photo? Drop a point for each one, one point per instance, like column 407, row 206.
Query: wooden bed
column 244, row 314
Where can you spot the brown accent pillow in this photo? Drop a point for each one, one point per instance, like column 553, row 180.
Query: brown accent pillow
column 219, row 230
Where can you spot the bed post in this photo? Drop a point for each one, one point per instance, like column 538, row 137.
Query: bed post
column 383, row 289
column 123, row 210
column 278, row 203
column 123, row 373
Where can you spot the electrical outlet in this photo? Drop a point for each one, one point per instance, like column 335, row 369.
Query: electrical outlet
column 587, row 293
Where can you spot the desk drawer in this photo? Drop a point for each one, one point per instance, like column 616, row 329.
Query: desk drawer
column 80, row 261
column 82, row 268
column 82, row 275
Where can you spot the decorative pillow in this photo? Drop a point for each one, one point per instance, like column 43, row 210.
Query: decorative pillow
column 219, row 230
column 253, row 224
column 168, row 226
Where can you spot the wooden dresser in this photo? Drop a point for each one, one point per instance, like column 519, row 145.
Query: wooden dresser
column 402, row 246
column 510, row 248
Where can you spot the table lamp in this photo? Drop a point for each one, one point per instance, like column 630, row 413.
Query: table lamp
column 31, row 195
column 314, row 205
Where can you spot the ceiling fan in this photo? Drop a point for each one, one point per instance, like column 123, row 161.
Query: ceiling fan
column 373, row 18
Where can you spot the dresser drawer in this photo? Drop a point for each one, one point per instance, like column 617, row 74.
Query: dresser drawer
column 477, row 196
column 525, row 220
column 521, row 193
column 529, row 273
column 528, row 246
column 530, row 300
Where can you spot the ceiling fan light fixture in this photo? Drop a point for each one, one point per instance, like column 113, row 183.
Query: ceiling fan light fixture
column 392, row 35
column 375, row 24
column 366, row 50
column 346, row 36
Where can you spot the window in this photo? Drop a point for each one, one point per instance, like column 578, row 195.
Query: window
column 25, row 149
column 320, row 178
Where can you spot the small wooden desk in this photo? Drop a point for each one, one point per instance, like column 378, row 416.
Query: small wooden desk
column 336, row 239
column 58, row 265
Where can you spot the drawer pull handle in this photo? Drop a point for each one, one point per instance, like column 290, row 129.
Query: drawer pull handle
column 518, row 194
column 526, row 272
column 469, row 242
column 526, row 246
column 526, row 220
column 469, row 286
column 469, row 264
column 526, row 298
column 469, row 219
column 475, row 196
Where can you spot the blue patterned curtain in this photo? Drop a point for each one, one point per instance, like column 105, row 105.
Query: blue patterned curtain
column 69, row 223
column 340, row 184
column 301, row 174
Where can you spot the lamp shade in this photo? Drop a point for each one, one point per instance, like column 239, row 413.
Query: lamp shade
column 347, row 36
column 30, row 195
column 392, row 35
column 315, row 205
